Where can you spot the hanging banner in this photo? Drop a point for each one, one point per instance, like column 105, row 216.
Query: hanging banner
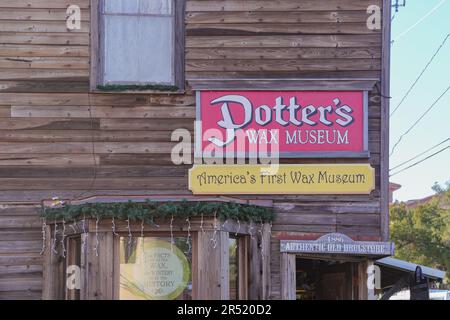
column 291, row 123
column 282, row 179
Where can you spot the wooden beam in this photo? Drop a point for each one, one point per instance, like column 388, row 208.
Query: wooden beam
column 288, row 282
column 169, row 198
column 255, row 266
column 180, row 40
column 47, row 271
column 243, row 245
column 100, row 267
column 361, row 280
column 95, row 45
column 265, row 260
column 53, row 269
column 282, row 84
column 385, row 85
column 224, row 272
column 211, row 266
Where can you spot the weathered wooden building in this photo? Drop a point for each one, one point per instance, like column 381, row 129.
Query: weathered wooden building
column 67, row 131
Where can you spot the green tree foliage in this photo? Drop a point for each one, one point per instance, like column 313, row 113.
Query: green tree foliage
column 422, row 234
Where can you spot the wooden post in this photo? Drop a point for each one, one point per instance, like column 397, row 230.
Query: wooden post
column 47, row 270
column 243, row 268
column 288, row 284
column 100, row 268
column 370, row 291
column 275, row 267
column 54, row 269
column 95, row 45
column 255, row 270
column 212, row 278
column 385, row 79
column 265, row 253
column 364, row 292
column 84, row 267
column 224, row 275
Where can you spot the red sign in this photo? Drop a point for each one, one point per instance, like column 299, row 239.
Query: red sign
column 293, row 123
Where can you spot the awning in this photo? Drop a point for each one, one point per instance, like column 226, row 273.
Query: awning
column 410, row 267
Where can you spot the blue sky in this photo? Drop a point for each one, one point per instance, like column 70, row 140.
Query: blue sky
column 409, row 55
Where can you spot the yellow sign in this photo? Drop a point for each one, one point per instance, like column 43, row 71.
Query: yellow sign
column 282, row 179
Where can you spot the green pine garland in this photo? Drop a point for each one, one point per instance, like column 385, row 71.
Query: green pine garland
column 149, row 211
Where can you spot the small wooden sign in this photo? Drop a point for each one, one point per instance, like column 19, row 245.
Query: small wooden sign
column 337, row 243
column 282, row 179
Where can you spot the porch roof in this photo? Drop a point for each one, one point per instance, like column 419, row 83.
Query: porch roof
column 410, row 267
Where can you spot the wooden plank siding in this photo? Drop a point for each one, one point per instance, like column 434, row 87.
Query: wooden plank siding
column 53, row 130
column 20, row 245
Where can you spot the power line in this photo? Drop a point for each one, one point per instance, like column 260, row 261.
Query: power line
column 393, row 16
column 418, row 120
column 420, row 75
column 429, row 13
column 419, row 162
column 415, row 157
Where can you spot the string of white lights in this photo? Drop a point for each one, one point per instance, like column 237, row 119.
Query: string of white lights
column 55, row 231
column 171, row 233
column 63, row 246
column 213, row 238
column 96, row 237
column 85, row 235
column 44, row 226
column 114, row 227
column 188, row 239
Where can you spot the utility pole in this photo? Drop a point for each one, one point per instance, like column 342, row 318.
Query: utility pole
column 397, row 5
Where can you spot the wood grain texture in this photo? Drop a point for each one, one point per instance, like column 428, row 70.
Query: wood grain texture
column 50, row 122
column 287, row 270
column 40, row 26
column 274, row 5
column 297, row 41
column 280, row 53
column 244, row 29
column 39, row 14
column 276, row 16
column 45, row 4
column 385, row 89
column 43, row 50
column 21, row 265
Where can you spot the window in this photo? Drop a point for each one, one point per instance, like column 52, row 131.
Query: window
column 234, row 269
column 237, row 267
column 154, row 268
column 140, row 42
column 103, row 259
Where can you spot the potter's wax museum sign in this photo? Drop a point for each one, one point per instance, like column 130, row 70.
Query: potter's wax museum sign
column 282, row 179
column 158, row 271
column 337, row 243
column 292, row 123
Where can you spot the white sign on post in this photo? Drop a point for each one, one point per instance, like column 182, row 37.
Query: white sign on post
column 337, row 243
